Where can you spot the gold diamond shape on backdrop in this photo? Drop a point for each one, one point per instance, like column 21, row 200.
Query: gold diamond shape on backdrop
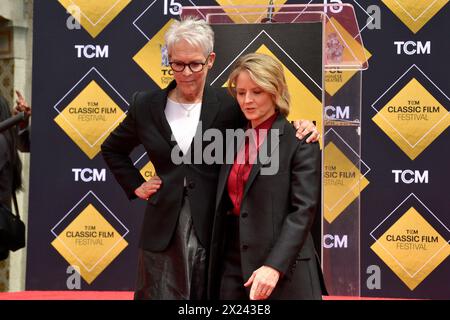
column 415, row 13
column 244, row 15
column 353, row 51
column 89, row 118
column 412, row 261
column 304, row 105
column 148, row 171
column 343, row 182
column 95, row 16
column 413, row 131
column 89, row 242
column 150, row 58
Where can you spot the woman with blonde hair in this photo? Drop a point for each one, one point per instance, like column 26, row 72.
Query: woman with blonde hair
column 262, row 247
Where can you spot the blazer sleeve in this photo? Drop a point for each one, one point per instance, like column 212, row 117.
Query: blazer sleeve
column 304, row 197
column 23, row 139
column 116, row 151
column 4, row 151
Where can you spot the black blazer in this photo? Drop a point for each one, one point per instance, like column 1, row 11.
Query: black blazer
column 6, row 171
column 146, row 124
column 7, row 155
column 277, row 212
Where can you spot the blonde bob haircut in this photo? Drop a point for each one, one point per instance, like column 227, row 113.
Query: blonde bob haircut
column 267, row 73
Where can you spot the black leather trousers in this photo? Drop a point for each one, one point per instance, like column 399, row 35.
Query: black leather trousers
column 179, row 272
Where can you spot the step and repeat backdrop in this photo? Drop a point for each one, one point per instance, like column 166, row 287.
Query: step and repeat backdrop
column 89, row 58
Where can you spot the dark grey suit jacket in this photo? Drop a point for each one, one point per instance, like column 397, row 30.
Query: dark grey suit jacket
column 277, row 213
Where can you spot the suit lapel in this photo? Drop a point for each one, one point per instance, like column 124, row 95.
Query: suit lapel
column 159, row 102
column 210, row 107
column 231, row 151
column 222, row 183
column 277, row 125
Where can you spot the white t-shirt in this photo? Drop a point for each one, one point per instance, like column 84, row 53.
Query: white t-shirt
column 183, row 126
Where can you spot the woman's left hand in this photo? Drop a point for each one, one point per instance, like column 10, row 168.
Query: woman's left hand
column 263, row 281
column 304, row 127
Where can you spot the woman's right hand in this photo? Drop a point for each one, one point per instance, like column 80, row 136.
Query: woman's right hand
column 148, row 188
column 262, row 281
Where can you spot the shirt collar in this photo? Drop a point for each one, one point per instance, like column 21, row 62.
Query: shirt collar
column 266, row 125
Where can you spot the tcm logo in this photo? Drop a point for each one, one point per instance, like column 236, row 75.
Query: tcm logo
column 91, row 51
column 409, row 176
column 337, row 112
column 90, row 175
column 335, row 241
column 411, row 48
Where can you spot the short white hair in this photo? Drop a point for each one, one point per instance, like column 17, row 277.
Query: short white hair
column 195, row 31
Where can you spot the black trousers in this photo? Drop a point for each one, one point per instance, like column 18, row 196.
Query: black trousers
column 232, row 282
column 177, row 273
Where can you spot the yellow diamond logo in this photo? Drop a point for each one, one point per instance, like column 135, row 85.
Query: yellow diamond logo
column 94, row 16
column 89, row 118
column 353, row 56
column 412, row 248
column 246, row 14
column 89, row 242
column 413, row 119
column 343, row 182
column 152, row 56
column 148, row 171
column 415, row 13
